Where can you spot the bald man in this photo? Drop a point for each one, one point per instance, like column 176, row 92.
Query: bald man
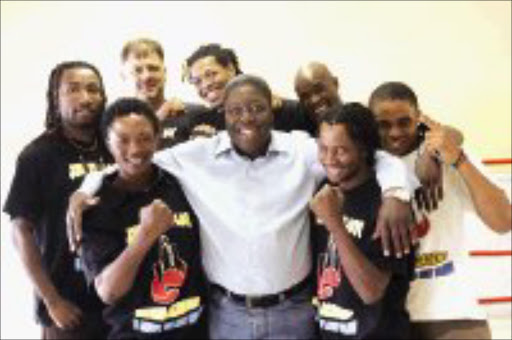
column 318, row 90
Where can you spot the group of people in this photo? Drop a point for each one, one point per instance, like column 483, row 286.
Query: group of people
column 249, row 216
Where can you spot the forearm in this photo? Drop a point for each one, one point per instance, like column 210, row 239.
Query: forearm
column 32, row 261
column 491, row 202
column 391, row 172
column 116, row 280
column 368, row 281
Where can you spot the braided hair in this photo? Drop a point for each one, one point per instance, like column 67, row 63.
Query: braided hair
column 53, row 119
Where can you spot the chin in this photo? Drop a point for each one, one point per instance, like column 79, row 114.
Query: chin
column 334, row 179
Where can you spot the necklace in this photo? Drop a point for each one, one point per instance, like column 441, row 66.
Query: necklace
column 81, row 147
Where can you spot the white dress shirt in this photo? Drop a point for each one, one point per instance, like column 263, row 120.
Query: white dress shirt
column 254, row 213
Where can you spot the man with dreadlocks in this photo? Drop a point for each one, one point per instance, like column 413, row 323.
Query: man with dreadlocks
column 209, row 69
column 48, row 169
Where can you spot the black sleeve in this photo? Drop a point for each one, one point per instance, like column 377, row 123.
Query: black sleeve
column 25, row 197
column 290, row 116
column 100, row 246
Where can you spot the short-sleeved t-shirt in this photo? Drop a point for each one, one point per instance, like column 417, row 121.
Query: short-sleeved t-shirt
column 342, row 314
column 169, row 292
column 47, row 171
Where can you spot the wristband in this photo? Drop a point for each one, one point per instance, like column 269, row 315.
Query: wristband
column 461, row 158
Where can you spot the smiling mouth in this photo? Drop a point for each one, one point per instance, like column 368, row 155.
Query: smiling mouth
column 247, row 133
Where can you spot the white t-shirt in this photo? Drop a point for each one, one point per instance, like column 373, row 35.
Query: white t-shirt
column 443, row 288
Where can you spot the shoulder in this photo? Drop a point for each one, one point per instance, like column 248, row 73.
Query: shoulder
column 289, row 104
column 194, row 108
column 45, row 145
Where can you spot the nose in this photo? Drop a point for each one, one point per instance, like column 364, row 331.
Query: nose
column 135, row 149
column 247, row 117
column 329, row 157
column 85, row 97
column 145, row 74
column 314, row 99
column 395, row 132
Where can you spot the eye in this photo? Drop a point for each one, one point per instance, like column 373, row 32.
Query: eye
column 257, row 108
column 72, row 88
column 234, row 110
column 153, row 68
column 93, row 89
column 383, row 125
column 404, row 123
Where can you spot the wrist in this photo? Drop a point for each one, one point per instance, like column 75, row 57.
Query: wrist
column 398, row 193
column 461, row 158
column 51, row 300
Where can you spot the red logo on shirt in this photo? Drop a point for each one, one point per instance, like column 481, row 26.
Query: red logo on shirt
column 169, row 274
column 329, row 278
column 423, row 226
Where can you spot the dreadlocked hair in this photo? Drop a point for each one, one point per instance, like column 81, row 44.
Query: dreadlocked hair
column 53, row 119
column 224, row 56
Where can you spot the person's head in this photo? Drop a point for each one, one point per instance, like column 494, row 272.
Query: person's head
column 348, row 139
column 131, row 131
column 317, row 89
column 396, row 110
column 209, row 69
column 143, row 69
column 248, row 114
column 75, row 96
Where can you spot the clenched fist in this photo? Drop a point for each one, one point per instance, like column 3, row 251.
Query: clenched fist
column 327, row 204
column 155, row 219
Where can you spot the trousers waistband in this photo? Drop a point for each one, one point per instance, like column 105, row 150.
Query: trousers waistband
column 264, row 301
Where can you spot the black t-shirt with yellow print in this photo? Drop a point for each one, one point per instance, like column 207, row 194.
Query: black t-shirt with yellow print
column 47, row 171
column 342, row 314
column 168, row 295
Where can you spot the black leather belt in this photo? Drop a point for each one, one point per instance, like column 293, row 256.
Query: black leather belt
column 263, row 301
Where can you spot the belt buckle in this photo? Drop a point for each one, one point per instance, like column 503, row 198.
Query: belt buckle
column 248, row 302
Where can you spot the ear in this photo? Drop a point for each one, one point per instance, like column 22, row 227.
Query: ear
column 108, row 143
column 336, row 82
column 122, row 74
column 231, row 70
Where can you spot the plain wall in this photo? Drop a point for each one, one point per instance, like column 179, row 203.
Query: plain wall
column 456, row 55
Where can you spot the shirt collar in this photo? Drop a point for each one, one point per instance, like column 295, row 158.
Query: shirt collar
column 277, row 144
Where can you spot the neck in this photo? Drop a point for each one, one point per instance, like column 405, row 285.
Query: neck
column 356, row 180
column 82, row 134
column 157, row 102
column 134, row 183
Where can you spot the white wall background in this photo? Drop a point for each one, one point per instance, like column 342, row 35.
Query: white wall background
column 457, row 56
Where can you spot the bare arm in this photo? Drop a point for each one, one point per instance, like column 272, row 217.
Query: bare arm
column 63, row 313
column 117, row 279
column 490, row 202
column 369, row 281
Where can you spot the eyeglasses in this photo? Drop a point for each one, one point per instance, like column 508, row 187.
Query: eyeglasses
column 254, row 109
column 208, row 75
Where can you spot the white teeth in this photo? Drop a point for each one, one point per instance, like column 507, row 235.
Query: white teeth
column 247, row 132
column 136, row 161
